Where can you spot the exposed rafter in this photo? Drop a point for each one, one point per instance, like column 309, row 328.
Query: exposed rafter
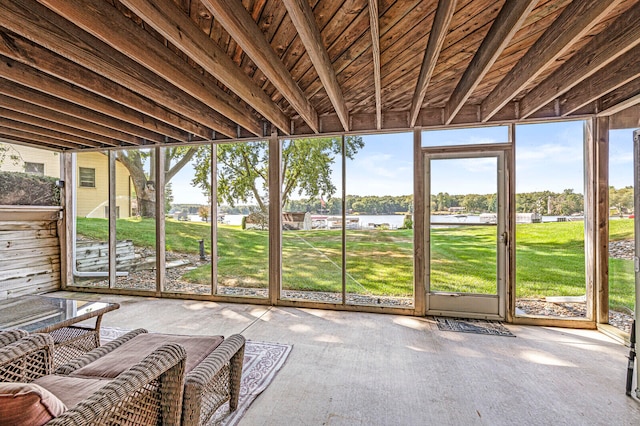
column 21, row 126
column 38, row 24
column 618, row 73
column 57, row 106
column 57, row 127
column 45, row 61
column 29, row 139
column 375, row 50
column 39, row 112
column 105, row 22
column 240, row 25
column 165, row 17
column 575, row 21
column 508, row 22
column 621, row 36
column 621, row 99
column 303, row 19
column 439, row 29
column 28, row 77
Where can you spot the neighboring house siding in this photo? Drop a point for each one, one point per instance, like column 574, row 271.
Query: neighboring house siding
column 93, row 202
column 50, row 159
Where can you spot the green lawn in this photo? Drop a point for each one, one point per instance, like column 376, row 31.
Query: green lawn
column 549, row 257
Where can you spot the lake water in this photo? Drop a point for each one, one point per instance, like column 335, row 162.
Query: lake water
column 393, row 220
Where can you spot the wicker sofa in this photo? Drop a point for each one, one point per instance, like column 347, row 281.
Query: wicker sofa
column 213, row 369
column 150, row 392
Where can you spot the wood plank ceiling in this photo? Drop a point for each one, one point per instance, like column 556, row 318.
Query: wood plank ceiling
column 89, row 74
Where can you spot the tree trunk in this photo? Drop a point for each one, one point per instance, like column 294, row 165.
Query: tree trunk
column 147, row 203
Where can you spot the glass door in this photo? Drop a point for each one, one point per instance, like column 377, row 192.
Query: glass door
column 466, row 237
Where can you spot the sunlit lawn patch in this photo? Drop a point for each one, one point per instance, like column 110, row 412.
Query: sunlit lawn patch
column 549, row 257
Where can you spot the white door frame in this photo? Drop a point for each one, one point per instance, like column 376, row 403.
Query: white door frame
column 461, row 304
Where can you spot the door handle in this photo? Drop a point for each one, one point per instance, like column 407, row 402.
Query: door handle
column 504, row 238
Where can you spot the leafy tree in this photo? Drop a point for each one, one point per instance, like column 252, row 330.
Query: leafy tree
column 9, row 153
column 475, row 203
column 242, row 170
column 621, row 199
column 144, row 182
column 204, row 212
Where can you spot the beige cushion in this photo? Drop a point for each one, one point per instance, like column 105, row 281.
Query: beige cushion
column 27, row 404
column 133, row 351
column 70, row 390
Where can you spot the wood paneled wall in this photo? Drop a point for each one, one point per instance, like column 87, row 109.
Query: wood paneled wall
column 29, row 250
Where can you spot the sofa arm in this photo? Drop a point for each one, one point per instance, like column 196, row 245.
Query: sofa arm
column 10, row 336
column 214, row 381
column 98, row 352
column 26, row 359
column 150, row 392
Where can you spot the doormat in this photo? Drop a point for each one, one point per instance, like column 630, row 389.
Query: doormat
column 473, row 326
column 262, row 361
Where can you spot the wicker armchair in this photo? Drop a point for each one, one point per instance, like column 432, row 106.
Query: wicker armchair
column 25, row 358
column 149, row 393
column 211, row 383
column 10, row 336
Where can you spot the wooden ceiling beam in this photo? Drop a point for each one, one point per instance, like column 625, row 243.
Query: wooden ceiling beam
column 507, row 23
column 612, row 43
column 28, row 77
column 57, row 108
column 621, row 98
column 374, row 25
column 575, row 21
column 6, row 124
column 36, row 141
column 102, row 20
column 45, row 61
column 304, row 20
column 439, row 30
column 166, row 18
column 628, row 103
column 52, row 31
column 618, row 73
column 50, row 125
column 27, row 108
column 241, row 26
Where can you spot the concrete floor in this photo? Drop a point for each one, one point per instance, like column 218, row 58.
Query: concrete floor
column 368, row 369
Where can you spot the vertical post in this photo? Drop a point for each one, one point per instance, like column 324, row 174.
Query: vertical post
column 111, row 159
column 160, row 225
column 419, row 209
column 590, row 209
column 343, row 152
column 602, row 220
column 510, row 181
column 275, row 218
column 214, row 218
column 65, row 226
column 636, row 227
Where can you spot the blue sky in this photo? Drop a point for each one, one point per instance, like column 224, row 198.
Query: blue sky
column 548, row 157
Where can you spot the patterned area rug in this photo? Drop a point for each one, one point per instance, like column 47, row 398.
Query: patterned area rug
column 262, row 361
column 473, row 326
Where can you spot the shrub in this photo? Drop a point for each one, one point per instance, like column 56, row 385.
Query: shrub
column 30, row 190
column 408, row 222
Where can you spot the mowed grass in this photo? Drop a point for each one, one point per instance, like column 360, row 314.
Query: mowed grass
column 549, row 258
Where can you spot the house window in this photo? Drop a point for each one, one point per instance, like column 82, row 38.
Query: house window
column 106, row 212
column 34, row 168
column 87, row 177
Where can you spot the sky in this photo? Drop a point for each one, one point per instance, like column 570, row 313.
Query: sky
column 548, row 157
